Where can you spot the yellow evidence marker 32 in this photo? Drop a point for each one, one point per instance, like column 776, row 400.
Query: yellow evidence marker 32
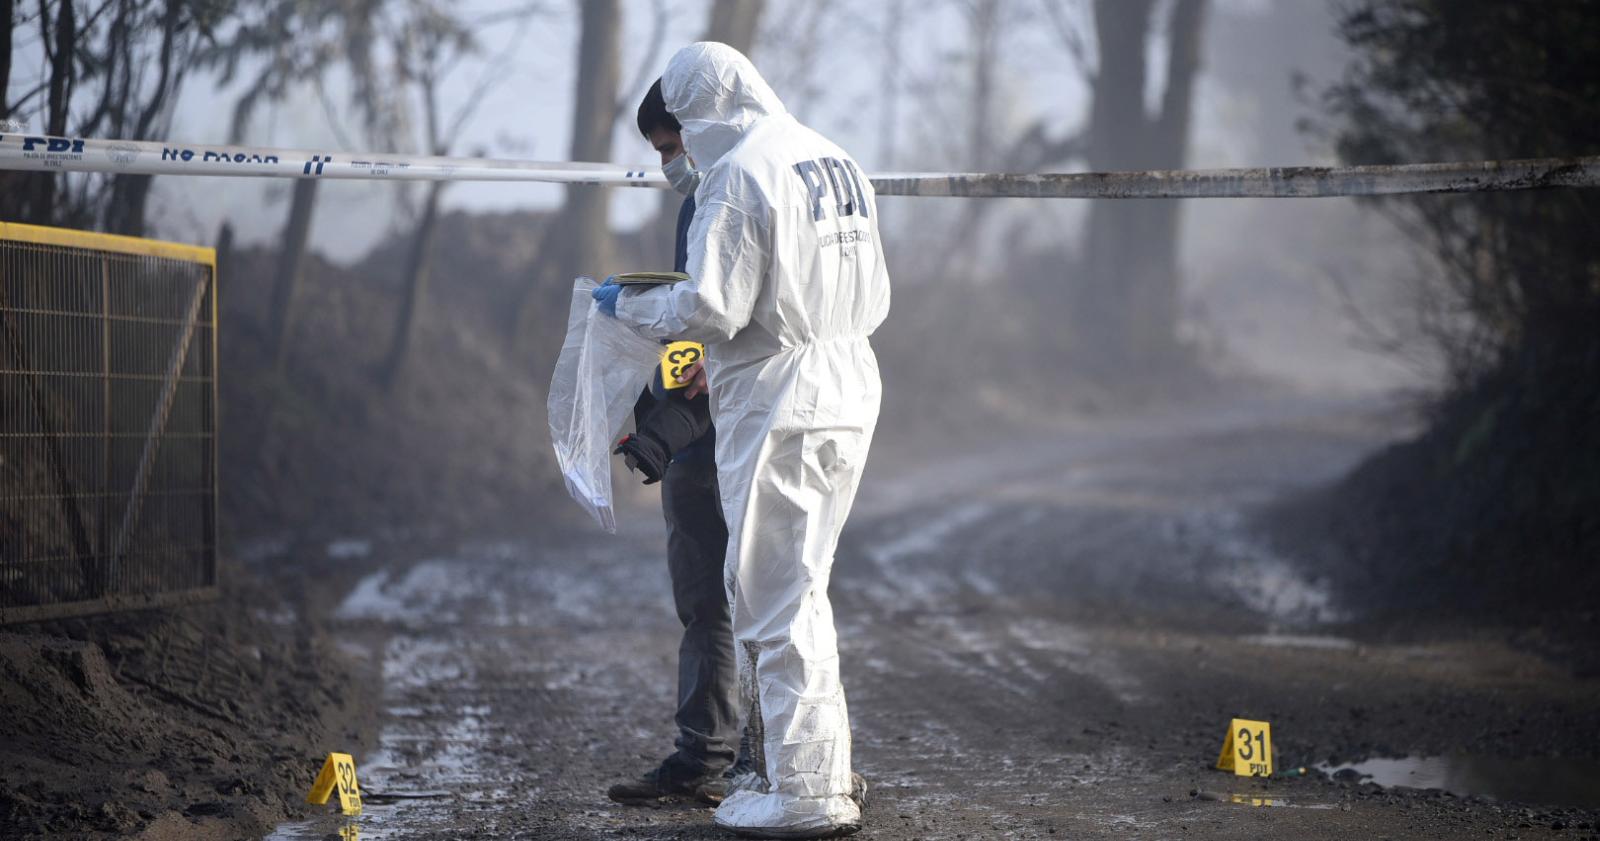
column 1247, row 751
column 339, row 771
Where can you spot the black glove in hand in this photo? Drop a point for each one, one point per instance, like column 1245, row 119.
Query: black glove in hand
column 667, row 426
column 644, row 454
column 675, row 422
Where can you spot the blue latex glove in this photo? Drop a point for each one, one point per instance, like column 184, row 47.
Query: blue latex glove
column 607, row 294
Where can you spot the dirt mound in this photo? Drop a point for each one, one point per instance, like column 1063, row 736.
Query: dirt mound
column 458, row 440
column 204, row 722
column 1491, row 515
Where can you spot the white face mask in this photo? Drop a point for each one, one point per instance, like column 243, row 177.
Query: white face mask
column 681, row 175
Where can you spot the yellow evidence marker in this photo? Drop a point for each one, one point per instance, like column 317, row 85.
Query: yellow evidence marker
column 676, row 359
column 1247, row 751
column 339, row 771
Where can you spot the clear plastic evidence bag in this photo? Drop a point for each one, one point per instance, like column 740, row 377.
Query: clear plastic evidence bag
column 602, row 368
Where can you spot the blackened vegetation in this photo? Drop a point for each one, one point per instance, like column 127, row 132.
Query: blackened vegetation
column 113, row 69
column 203, row 722
column 323, row 448
column 1497, row 504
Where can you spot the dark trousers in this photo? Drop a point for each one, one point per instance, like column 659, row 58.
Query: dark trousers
column 708, row 680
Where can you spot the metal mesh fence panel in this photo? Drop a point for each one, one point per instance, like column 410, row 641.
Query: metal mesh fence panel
column 108, row 410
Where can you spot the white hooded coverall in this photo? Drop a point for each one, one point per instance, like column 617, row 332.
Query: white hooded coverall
column 787, row 281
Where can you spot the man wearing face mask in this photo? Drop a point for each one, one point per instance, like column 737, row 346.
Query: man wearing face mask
column 667, row 447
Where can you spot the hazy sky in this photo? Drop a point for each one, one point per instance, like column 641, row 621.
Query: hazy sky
column 527, row 113
column 1259, row 273
column 832, row 80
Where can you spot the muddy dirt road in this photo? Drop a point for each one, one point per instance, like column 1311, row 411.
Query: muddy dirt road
column 1045, row 639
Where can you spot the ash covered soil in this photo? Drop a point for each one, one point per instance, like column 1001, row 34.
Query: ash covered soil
column 199, row 722
column 1044, row 638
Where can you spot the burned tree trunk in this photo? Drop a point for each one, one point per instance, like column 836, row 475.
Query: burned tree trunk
column 8, row 23
column 889, row 86
column 985, row 19
column 1156, row 305
column 1125, row 312
column 59, row 49
column 734, row 22
column 125, row 213
column 417, row 268
column 225, row 250
column 11, row 183
column 291, row 259
column 584, row 214
column 130, row 194
column 576, row 240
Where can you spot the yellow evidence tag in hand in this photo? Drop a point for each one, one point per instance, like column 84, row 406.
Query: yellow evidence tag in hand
column 1247, row 751
column 339, row 771
column 676, row 359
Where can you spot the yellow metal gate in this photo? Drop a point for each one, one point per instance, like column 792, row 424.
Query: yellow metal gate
column 108, row 422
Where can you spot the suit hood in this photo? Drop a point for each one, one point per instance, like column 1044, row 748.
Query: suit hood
column 717, row 95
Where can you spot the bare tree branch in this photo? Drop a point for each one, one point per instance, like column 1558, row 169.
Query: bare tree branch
column 492, row 75
column 16, row 107
column 1072, row 38
column 1034, row 151
column 335, row 124
column 158, row 98
column 523, row 12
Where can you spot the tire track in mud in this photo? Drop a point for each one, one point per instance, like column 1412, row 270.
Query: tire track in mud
column 519, row 680
column 961, row 660
column 970, row 621
column 952, row 687
column 1044, row 646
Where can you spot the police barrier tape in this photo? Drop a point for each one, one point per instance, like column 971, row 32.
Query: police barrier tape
column 131, row 157
column 44, row 153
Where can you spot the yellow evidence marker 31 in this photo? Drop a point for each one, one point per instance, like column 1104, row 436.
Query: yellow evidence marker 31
column 676, row 359
column 339, row 771
column 1247, row 751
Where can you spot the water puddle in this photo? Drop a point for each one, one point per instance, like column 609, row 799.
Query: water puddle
column 375, row 823
column 1544, row 782
column 388, row 797
column 1258, row 800
column 427, row 760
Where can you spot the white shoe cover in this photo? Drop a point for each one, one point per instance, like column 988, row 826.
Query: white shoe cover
column 788, row 816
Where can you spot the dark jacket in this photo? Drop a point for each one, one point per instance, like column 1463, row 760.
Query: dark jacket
column 703, row 447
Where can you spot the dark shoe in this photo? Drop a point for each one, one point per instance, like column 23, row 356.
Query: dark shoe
column 858, row 790
column 654, row 786
column 744, row 764
column 712, row 790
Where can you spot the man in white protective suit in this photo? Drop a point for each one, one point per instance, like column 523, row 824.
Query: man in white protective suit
column 787, row 281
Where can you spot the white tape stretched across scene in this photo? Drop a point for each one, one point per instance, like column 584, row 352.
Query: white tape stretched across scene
column 42, row 153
